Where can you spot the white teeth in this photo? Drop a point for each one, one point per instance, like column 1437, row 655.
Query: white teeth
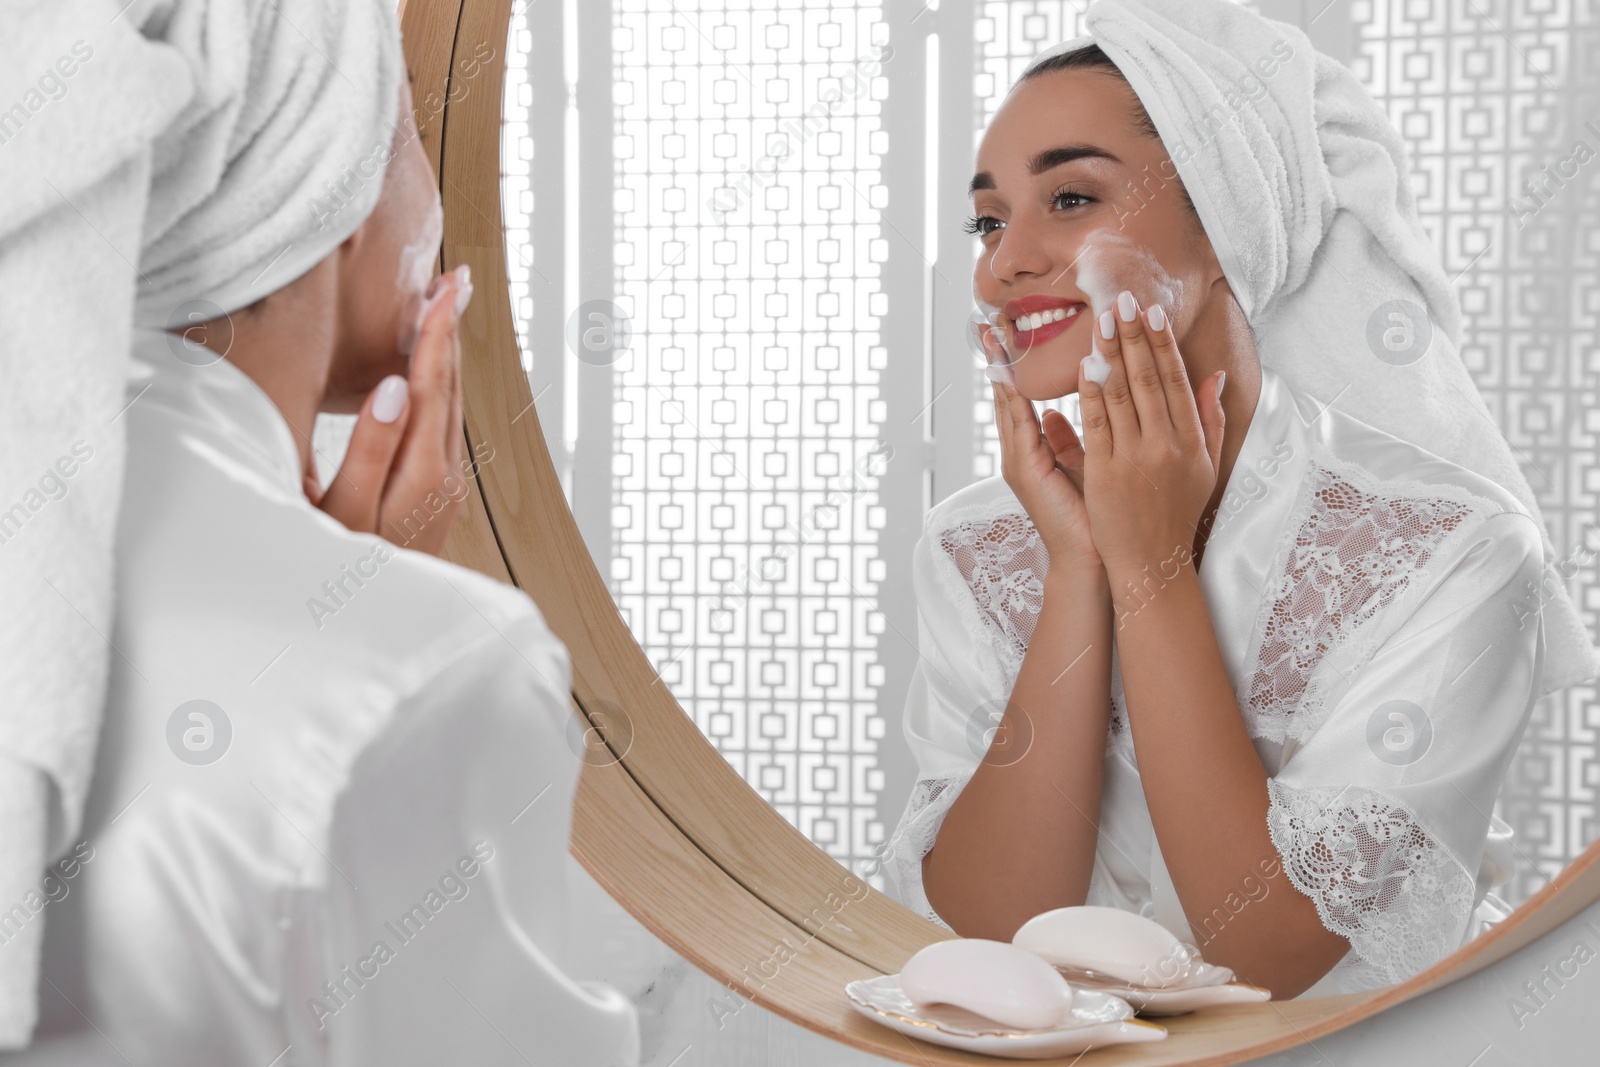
column 1027, row 323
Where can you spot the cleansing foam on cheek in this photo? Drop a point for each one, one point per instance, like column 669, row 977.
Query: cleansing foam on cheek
column 1110, row 262
column 417, row 261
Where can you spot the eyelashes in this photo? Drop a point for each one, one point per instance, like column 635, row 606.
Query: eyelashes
column 984, row 225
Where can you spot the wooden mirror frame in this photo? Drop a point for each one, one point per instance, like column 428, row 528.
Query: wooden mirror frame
column 667, row 827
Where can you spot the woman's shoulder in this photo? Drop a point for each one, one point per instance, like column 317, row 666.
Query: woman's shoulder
column 979, row 501
column 1371, row 488
column 1388, row 467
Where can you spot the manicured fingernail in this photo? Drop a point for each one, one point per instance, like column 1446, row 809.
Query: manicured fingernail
column 1156, row 317
column 1000, row 372
column 391, row 398
column 1127, row 307
column 462, row 275
column 1108, row 325
column 1222, row 380
column 1095, row 367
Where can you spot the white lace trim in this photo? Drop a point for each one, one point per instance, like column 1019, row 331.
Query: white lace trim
column 1361, row 543
column 913, row 838
column 1377, row 877
column 1002, row 563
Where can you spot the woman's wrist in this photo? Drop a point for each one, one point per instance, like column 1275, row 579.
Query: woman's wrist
column 1132, row 589
column 1076, row 576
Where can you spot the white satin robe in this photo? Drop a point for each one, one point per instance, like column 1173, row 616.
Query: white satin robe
column 1385, row 726
column 371, row 871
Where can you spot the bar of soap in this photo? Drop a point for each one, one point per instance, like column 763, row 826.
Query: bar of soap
column 1108, row 940
column 997, row 980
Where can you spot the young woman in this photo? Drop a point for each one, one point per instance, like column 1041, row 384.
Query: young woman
column 330, row 815
column 1247, row 659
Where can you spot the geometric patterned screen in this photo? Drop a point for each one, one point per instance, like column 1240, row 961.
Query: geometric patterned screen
column 746, row 458
column 1493, row 99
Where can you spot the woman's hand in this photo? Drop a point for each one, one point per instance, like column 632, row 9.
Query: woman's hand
column 1043, row 465
column 406, row 453
column 1152, row 454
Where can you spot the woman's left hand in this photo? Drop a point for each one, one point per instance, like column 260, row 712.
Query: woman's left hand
column 1152, row 454
column 407, row 450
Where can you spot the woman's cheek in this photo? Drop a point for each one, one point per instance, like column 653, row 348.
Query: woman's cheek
column 1110, row 261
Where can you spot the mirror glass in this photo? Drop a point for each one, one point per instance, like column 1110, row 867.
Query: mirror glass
column 742, row 286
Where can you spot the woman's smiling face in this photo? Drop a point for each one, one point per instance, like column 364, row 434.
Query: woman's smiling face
column 1075, row 200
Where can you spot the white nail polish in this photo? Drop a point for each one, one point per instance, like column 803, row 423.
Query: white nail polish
column 1127, row 307
column 391, row 398
column 1156, row 317
column 1095, row 367
column 463, row 298
column 1000, row 372
column 1108, row 325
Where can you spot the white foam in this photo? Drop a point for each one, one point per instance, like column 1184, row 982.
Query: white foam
column 1110, row 262
column 415, row 272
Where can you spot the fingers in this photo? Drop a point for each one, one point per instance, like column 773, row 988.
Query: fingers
column 1180, row 403
column 1063, row 439
column 357, row 490
column 421, row 483
column 435, row 365
column 1097, row 430
column 1022, row 434
column 1118, row 401
column 1139, row 364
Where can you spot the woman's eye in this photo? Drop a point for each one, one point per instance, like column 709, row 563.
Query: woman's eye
column 982, row 225
column 1065, row 200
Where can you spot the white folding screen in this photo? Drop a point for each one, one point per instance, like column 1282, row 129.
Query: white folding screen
column 1499, row 103
column 742, row 287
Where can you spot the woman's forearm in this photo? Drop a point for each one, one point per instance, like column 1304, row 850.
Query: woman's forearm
column 1020, row 839
column 1207, row 791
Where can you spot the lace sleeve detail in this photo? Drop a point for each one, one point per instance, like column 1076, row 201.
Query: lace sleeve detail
column 1003, row 562
column 930, row 801
column 1361, row 544
column 1377, row 877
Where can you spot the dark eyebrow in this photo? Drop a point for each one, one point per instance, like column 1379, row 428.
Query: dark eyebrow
column 1047, row 160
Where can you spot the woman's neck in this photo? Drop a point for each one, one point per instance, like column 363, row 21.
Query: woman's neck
column 286, row 346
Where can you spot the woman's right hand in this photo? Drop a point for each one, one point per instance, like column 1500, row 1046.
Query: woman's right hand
column 1043, row 465
column 407, row 452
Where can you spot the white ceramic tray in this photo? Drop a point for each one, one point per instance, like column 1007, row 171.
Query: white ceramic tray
column 1097, row 1019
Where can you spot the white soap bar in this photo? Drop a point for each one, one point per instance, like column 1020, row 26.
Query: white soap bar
column 1108, row 940
column 1002, row 982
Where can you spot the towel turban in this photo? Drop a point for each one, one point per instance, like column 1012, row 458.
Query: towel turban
column 281, row 153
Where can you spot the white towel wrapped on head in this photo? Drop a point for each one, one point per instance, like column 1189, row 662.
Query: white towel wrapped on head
column 280, row 156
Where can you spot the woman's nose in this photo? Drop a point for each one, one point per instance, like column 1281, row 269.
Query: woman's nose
column 1019, row 253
